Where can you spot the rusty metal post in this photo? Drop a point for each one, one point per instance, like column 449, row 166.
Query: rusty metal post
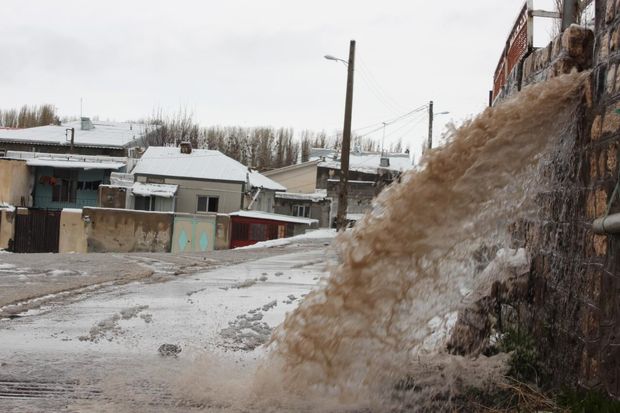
column 570, row 10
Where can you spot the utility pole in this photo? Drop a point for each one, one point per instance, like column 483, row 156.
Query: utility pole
column 430, row 125
column 341, row 218
column 383, row 140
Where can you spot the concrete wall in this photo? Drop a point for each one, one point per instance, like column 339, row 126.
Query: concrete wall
column 296, row 178
column 112, row 197
column 7, row 228
column 16, row 182
column 230, row 194
column 72, row 232
column 123, row 230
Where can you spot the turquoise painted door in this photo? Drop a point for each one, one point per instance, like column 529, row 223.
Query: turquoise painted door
column 193, row 234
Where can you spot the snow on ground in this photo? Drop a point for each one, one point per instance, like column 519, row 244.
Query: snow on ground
column 101, row 353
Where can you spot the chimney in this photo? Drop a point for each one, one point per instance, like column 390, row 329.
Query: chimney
column 87, row 124
column 186, row 147
column 384, row 162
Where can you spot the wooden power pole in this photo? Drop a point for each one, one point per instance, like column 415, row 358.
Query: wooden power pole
column 430, row 125
column 341, row 218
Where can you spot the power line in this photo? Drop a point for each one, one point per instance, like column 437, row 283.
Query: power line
column 373, row 80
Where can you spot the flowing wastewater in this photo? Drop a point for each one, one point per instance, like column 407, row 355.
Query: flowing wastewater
column 404, row 271
column 373, row 336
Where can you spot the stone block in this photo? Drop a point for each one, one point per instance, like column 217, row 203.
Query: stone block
column 617, row 78
column 602, row 164
column 610, row 11
column 600, row 249
column 612, row 160
column 603, row 52
column 610, row 83
column 591, row 206
column 593, row 168
column 601, row 202
column 611, row 121
column 595, row 133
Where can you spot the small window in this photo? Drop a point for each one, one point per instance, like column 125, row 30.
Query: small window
column 144, row 203
column 65, row 185
column 301, row 211
column 208, row 204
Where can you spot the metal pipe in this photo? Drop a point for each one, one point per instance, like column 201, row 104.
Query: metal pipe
column 607, row 225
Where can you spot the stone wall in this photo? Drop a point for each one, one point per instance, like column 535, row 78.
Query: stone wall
column 569, row 300
column 123, row 230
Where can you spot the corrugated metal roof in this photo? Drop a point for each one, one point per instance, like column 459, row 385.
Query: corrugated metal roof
column 104, row 135
column 64, row 164
column 68, row 160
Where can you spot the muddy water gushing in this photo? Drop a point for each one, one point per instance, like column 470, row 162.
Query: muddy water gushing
column 406, row 267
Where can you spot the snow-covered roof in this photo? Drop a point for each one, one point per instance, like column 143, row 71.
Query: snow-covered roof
column 273, row 217
column 199, row 164
column 353, row 181
column 260, row 180
column 161, row 190
column 56, row 163
column 291, row 167
column 68, row 161
column 366, row 162
column 104, row 134
column 123, row 180
column 318, row 196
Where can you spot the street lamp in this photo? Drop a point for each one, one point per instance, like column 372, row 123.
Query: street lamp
column 341, row 217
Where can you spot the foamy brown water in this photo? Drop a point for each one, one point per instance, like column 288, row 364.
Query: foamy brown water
column 350, row 343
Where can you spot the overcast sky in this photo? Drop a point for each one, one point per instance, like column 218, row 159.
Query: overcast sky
column 255, row 62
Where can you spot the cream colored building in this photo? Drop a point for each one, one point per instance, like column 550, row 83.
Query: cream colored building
column 300, row 178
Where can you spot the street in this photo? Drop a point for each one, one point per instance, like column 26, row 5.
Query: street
column 101, row 349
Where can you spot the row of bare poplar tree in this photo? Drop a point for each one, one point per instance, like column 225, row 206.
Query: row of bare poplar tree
column 29, row 116
column 261, row 148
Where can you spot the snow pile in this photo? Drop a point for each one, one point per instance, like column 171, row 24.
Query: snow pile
column 317, row 196
column 326, row 233
column 109, row 327
column 161, row 190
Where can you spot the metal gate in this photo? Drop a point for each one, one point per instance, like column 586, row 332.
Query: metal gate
column 193, row 233
column 36, row 230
